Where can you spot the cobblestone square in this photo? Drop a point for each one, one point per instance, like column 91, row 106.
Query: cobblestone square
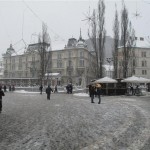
column 68, row 122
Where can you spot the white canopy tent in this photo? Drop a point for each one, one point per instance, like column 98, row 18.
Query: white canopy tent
column 135, row 79
column 106, row 80
column 144, row 80
column 132, row 79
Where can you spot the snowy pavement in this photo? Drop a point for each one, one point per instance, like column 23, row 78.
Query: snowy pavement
column 70, row 122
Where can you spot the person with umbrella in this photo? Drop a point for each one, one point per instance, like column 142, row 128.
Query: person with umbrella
column 98, row 92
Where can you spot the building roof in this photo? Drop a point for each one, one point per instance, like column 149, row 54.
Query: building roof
column 143, row 42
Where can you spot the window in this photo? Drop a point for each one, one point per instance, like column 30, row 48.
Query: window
column 70, row 63
column 13, row 61
column 26, row 66
column 134, row 64
column 59, row 64
column 69, row 54
column 20, row 63
column 26, row 58
column 144, row 63
column 144, row 72
column 59, row 56
column 13, row 66
column 133, row 53
column 143, row 54
column 81, row 63
column 81, row 54
column 33, row 58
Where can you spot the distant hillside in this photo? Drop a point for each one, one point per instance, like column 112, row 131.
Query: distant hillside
column 108, row 46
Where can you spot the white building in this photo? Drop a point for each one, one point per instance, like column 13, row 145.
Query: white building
column 139, row 65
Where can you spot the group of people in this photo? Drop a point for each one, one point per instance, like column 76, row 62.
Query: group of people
column 95, row 91
column 134, row 90
column 11, row 88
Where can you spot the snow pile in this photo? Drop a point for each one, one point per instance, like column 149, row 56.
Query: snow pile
column 81, row 94
column 23, row 91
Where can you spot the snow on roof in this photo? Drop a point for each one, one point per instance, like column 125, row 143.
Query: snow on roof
column 143, row 42
column 52, row 74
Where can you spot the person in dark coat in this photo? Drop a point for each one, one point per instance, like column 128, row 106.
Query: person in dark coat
column 48, row 92
column 41, row 89
column 5, row 88
column 98, row 92
column 1, row 94
column 90, row 86
column 92, row 93
column 70, row 88
column 132, row 90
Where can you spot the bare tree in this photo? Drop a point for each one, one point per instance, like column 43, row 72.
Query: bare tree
column 97, row 37
column 116, row 44
column 130, row 49
column 101, row 36
column 93, row 39
column 127, row 40
column 44, row 52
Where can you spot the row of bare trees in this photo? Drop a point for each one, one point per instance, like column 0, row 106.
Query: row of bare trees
column 98, row 36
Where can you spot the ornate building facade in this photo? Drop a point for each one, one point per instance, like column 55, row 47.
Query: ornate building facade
column 73, row 63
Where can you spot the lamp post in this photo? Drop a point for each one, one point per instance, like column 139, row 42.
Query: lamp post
column 109, row 60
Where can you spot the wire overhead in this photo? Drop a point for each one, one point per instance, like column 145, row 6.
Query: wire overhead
column 35, row 14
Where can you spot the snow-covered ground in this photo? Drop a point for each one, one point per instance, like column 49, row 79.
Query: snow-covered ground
column 71, row 122
column 75, row 94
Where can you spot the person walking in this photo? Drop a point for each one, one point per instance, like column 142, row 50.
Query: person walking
column 1, row 94
column 41, row 89
column 5, row 88
column 48, row 92
column 55, row 91
column 131, row 89
column 98, row 88
column 90, row 86
column 92, row 93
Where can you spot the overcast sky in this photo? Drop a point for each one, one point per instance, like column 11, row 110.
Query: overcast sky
column 21, row 21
